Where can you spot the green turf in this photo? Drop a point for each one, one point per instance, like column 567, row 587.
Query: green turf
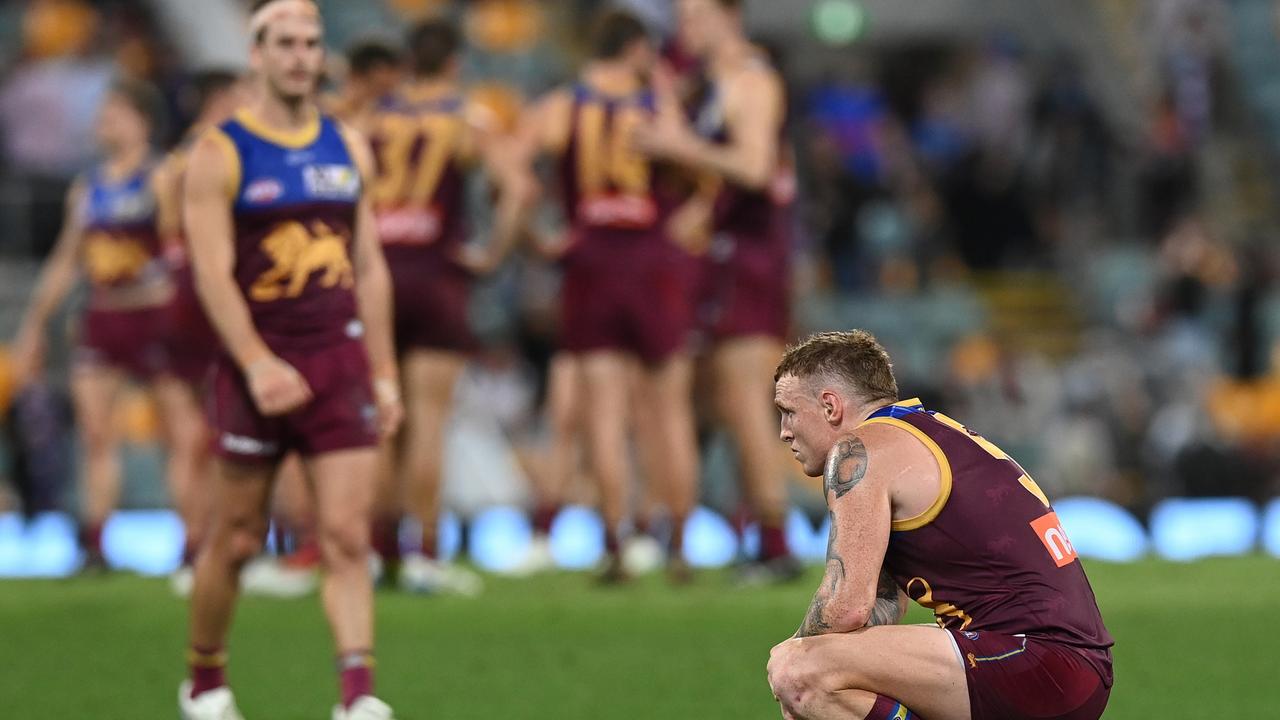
column 1194, row 640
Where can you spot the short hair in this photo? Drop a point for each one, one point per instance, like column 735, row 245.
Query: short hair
column 854, row 357
column 432, row 44
column 207, row 84
column 145, row 100
column 614, row 31
column 261, row 35
column 369, row 55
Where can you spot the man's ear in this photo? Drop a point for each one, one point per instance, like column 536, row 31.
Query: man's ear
column 832, row 408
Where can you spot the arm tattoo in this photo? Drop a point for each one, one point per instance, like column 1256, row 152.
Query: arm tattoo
column 815, row 622
column 846, row 466
column 888, row 606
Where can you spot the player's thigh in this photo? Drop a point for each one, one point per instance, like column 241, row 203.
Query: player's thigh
column 564, row 392
column 429, row 378
column 240, row 501
column 94, row 392
column 916, row 665
column 180, row 413
column 344, row 485
column 744, row 370
column 607, row 376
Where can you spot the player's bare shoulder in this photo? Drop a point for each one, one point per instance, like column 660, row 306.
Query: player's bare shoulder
column 890, row 453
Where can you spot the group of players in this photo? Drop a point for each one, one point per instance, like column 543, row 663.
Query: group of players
column 300, row 261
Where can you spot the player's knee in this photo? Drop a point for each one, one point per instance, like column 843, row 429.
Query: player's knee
column 345, row 542
column 236, row 540
column 97, row 439
column 796, row 676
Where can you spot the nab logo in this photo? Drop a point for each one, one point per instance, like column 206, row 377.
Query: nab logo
column 263, row 191
column 1049, row 529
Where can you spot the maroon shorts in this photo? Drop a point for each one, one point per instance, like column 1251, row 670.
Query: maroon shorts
column 626, row 294
column 128, row 340
column 340, row 416
column 1016, row 678
column 746, row 289
column 192, row 342
column 431, row 298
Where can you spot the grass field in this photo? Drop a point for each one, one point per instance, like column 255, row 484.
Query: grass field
column 1195, row 640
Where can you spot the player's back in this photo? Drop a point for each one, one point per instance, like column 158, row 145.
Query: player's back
column 421, row 149
column 294, row 207
column 990, row 553
column 607, row 189
column 121, row 245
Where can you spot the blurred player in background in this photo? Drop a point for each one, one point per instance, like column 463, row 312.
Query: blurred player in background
column 426, row 140
column 374, row 70
column 922, row 507
column 623, row 297
column 111, row 235
column 287, row 261
column 743, row 213
column 191, row 339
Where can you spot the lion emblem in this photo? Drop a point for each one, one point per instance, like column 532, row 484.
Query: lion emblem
column 297, row 254
column 110, row 260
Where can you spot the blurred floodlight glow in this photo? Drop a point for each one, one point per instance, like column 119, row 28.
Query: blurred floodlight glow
column 577, row 538
column 1271, row 528
column 499, row 538
column 838, row 22
column 709, row 540
column 1101, row 529
column 807, row 542
column 1189, row 529
column 144, row 541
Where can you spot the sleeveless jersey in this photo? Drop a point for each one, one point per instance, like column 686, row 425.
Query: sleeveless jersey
column 608, row 190
column 990, row 553
column 740, row 212
column 419, row 191
column 121, row 244
column 295, row 207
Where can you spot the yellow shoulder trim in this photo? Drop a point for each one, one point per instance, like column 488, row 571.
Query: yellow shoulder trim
column 944, row 474
column 299, row 138
column 910, row 402
column 234, row 172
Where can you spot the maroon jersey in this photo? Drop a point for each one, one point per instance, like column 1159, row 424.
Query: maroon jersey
column 121, row 243
column 419, row 193
column 295, row 207
column 608, row 190
column 990, row 553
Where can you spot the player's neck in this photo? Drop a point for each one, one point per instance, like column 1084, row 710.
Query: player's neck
column 730, row 53
column 612, row 78
column 432, row 87
column 283, row 115
column 125, row 162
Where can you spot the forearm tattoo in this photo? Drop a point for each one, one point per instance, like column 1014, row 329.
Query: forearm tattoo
column 815, row 622
column 846, row 466
column 887, row 609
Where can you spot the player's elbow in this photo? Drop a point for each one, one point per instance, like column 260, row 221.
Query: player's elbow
column 847, row 615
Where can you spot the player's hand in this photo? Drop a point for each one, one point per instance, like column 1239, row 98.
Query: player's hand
column 476, row 260
column 27, row 358
column 386, row 393
column 277, row 388
column 690, row 226
column 550, row 246
column 661, row 140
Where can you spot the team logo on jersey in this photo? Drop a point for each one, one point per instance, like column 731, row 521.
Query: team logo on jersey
column 1049, row 529
column 109, row 259
column 331, row 181
column 263, row 190
column 296, row 254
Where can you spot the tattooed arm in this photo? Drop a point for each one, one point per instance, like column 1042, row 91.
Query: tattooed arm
column 855, row 591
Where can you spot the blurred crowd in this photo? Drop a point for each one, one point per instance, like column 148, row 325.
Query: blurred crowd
column 1074, row 278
